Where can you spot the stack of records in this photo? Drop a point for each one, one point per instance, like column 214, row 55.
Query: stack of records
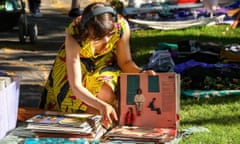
column 141, row 134
column 55, row 124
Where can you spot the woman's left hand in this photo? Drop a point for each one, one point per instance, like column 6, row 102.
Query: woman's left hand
column 149, row 72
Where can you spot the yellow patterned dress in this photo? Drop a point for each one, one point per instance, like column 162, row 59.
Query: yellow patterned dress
column 96, row 70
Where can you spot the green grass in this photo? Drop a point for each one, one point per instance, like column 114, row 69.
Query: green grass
column 220, row 115
column 144, row 41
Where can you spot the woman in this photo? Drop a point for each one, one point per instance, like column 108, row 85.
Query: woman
column 85, row 73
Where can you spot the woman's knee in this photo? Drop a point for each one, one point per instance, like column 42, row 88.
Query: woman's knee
column 106, row 94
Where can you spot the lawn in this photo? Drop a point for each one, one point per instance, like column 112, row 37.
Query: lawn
column 220, row 115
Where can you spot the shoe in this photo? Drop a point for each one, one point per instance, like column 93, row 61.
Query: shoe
column 37, row 14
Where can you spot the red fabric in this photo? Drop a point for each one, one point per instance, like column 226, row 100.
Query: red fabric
column 129, row 119
column 188, row 1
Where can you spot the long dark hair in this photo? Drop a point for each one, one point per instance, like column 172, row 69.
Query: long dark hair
column 139, row 91
column 101, row 24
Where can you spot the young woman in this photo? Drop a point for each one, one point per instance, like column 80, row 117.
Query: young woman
column 85, row 74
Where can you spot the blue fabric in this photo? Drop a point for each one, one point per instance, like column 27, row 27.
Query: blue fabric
column 235, row 5
column 179, row 68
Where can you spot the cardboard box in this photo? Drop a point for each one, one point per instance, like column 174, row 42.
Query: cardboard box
column 9, row 98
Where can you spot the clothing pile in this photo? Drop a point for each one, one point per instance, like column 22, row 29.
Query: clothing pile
column 207, row 69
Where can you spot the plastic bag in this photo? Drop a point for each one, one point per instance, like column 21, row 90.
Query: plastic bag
column 161, row 61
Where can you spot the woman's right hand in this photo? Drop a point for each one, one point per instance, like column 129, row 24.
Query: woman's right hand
column 108, row 115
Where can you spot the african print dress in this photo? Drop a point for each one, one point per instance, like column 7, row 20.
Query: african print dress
column 96, row 70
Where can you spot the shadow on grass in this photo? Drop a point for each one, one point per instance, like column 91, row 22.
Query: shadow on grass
column 219, row 120
column 211, row 100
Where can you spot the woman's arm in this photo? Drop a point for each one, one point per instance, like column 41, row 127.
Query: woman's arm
column 75, row 80
column 124, row 57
